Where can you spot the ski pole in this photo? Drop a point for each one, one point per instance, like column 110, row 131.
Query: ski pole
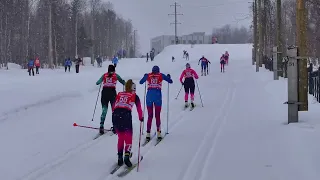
column 141, row 124
column 199, row 92
column 144, row 104
column 168, row 110
column 179, row 92
column 88, row 127
column 95, row 107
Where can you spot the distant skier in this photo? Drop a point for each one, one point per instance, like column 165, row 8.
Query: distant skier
column 154, row 97
column 172, row 59
column 67, row 64
column 222, row 62
column 31, row 67
column 226, row 56
column 189, row 86
column 109, row 92
column 184, row 53
column 99, row 61
column 78, row 61
column 37, row 65
column 147, row 57
column 122, row 120
column 115, row 61
column 187, row 56
column 204, row 62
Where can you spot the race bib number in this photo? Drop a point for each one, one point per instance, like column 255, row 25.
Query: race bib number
column 123, row 99
column 109, row 80
column 154, row 80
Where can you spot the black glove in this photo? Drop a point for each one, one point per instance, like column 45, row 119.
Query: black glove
column 113, row 130
column 169, row 76
column 182, row 83
column 141, row 119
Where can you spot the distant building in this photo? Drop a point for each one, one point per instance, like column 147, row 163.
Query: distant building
column 160, row 42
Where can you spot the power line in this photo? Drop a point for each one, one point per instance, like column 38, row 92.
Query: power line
column 175, row 21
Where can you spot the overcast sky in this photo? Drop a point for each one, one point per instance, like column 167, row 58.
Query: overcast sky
column 150, row 17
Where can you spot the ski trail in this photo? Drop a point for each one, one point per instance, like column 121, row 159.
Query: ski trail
column 194, row 169
column 212, row 149
column 51, row 166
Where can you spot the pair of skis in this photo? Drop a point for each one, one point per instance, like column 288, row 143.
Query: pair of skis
column 126, row 170
column 109, row 133
column 191, row 108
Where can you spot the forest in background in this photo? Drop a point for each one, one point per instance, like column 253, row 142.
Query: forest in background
column 53, row 30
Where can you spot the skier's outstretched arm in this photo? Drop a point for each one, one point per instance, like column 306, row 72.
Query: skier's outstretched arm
column 144, row 79
column 139, row 108
column 167, row 78
column 123, row 82
column 100, row 80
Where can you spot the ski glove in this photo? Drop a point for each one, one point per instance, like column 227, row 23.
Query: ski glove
column 169, row 76
column 182, row 83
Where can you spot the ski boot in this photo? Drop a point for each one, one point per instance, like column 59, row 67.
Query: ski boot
column 120, row 159
column 148, row 137
column 127, row 161
column 159, row 135
column 186, row 104
column 192, row 105
column 101, row 130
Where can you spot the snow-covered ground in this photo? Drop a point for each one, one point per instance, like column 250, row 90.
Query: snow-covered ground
column 240, row 133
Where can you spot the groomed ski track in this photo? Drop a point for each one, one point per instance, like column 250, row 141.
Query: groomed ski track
column 234, row 136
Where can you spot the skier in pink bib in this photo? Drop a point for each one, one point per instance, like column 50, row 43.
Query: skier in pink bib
column 189, row 85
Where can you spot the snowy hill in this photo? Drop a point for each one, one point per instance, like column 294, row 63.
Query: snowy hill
column 240, row 133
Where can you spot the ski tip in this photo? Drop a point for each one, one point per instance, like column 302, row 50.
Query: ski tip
column 75, row 124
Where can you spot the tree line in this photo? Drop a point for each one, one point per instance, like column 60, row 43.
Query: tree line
column 232, row 35
column 288, row 25
column 53, row 30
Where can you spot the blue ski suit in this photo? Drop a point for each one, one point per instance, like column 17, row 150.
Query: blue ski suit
column 154, row 94
column 115, row 61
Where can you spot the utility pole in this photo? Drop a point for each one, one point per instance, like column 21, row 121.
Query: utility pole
column 260, row 33
column 279, row 41
column 302, row 53
column 255, row 33
column 175, row 21
column 134, row 43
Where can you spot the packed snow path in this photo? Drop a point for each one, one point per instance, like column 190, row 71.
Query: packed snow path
column 238, row 134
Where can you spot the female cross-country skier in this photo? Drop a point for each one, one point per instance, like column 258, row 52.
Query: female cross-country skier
column 122, row 120
column 108, row 93
column 189, row 86
column 222, row 62
column 226, row 56
column 204, row 65
column 154, row 97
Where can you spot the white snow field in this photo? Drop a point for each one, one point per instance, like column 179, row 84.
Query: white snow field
column 240, row 133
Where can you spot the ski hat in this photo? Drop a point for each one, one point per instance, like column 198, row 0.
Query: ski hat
column 111, row 68
column 130, row 86
column 155, row 69
column 188, row 65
